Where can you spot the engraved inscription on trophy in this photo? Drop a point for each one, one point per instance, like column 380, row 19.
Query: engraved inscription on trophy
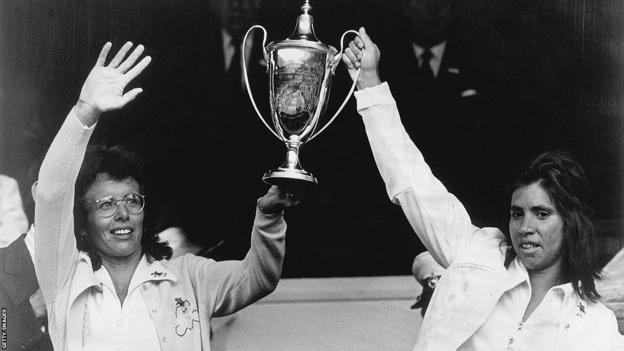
column 297, row 87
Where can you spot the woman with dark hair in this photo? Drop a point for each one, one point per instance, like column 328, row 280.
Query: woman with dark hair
column 561, row 178
column 106, row 280
column 118, row 164
column 531, row 289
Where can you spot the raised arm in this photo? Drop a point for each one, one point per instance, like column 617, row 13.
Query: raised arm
column 437, row 217
column 103, row 91
column 232, row 285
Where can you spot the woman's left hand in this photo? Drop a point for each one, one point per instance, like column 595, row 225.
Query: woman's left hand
column 278, row 199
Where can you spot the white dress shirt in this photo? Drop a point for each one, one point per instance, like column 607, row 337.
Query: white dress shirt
column 504, row 328
column 109, row 325
column 29, row 240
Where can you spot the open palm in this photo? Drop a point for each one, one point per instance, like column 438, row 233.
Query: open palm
column 103, row 89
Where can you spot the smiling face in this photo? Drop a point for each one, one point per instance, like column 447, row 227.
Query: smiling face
column 536, row 229
column 117, row 237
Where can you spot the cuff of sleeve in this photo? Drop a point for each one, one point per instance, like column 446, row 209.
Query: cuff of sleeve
column 266, row 221
column 80, row 123
column 270, row 216
column 377, row 95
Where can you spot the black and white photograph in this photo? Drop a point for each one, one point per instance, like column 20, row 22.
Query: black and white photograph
column 333, row 175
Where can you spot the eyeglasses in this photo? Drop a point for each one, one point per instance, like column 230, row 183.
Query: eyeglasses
column 106, row 207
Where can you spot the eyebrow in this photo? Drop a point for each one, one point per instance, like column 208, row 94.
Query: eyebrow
column 533, row 208
column 542, row 208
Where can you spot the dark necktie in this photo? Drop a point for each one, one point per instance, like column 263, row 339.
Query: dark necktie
column 425, row 66
column 233, row 75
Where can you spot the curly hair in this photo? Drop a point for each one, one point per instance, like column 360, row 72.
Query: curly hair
column 117, row 163
column 566, row 184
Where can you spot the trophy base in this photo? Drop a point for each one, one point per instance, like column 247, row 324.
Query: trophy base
column 289, row 178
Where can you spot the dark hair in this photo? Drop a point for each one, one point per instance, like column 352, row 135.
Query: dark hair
column 564, row 180
column 117, row 163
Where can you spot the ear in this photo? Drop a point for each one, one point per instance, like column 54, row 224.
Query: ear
column 33, row 190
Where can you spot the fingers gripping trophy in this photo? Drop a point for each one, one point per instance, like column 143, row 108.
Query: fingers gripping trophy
column 300, row 70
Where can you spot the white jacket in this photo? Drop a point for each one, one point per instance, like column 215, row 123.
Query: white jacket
column 476, row 277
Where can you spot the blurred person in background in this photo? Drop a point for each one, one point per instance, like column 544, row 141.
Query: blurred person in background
column 427, row 272
column 26, row 317
column 13, row 221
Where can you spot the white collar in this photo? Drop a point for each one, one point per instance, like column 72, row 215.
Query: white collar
column 29, row 240
column 436, row 51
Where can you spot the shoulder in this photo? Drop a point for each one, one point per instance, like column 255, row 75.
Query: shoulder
column 186, row 262
column 489, row 238
column 7, row 182
column 5, row 178
column 599, row 309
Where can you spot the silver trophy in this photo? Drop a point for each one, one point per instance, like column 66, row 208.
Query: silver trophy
column 300, row 71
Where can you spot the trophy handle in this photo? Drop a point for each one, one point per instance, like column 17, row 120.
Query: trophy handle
column 335, row 62
column 266, row 57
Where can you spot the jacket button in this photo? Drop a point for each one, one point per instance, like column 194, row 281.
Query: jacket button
column 154, row 311
column 164, row 339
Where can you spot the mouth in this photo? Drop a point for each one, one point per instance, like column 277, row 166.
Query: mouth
column 529, row 247
column 122, row 232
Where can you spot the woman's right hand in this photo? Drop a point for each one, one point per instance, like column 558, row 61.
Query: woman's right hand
column 363, row 53
column 103, row 90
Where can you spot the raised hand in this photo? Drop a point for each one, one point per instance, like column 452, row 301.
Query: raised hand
column 363, row 53
column 103, row 90
column 277, row 199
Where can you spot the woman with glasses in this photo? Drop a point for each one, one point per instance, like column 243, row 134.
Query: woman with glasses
column 107, row 281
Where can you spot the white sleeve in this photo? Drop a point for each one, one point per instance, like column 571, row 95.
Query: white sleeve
column 55, row 244
column 438, row 218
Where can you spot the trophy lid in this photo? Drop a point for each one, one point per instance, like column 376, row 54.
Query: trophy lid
column 303, row 35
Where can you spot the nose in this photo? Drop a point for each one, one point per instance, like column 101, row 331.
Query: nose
column 121, row 212
column 526, row 226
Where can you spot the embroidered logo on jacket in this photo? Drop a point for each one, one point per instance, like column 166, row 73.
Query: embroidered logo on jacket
column 185, row 316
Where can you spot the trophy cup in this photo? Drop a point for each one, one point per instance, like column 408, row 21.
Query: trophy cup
column 300, row 70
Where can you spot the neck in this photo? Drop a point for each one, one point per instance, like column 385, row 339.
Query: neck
column 120, row 264
column 542, row 280
column 121, row 271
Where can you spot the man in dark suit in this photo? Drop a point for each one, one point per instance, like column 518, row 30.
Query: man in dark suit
column 441, row 97
column 21, row 301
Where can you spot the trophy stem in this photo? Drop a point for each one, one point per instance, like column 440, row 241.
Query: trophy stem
column 290, row 174
column 292, row 156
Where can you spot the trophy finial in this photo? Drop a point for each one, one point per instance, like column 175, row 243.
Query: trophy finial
column 306, row 7
column 304, row 29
